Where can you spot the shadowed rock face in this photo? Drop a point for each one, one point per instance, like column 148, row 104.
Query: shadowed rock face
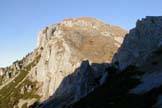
column 66, row 44
column 140, row 42
column 77, row 85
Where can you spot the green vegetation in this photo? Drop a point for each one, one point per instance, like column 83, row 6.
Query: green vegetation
column 11, row 93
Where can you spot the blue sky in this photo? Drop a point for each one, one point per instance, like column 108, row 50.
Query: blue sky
column 20, row 20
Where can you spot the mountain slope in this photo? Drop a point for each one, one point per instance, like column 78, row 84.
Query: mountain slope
column 71, row 67
column 137, row 82
column 18, row 86
column 61, row 50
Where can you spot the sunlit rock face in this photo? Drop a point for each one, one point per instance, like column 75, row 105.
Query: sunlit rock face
column 66, row 44
column 2, row 70
column 142, row 47
column 77, row 85
column 140, row 42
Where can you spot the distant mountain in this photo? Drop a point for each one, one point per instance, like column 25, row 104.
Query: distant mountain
column 69, row 62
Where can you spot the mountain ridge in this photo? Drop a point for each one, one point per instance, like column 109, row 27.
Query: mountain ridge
column 61, row 48
column 84, row 63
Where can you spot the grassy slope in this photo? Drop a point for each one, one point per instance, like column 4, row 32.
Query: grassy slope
column 10, row 94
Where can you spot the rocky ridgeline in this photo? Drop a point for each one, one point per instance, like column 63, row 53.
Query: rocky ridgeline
column 140, row 42
column 8, row 73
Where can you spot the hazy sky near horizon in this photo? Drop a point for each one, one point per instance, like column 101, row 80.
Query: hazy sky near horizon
column 21, row 20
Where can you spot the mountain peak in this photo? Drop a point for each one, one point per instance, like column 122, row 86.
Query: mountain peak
column 82, row 47
column 83, row 25
column 72, row 41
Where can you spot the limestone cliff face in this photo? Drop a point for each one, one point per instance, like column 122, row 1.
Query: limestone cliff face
column 66, row 44
column 140, row 42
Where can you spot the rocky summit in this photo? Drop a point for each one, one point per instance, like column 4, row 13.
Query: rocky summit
column 69, row 62
column 85, row 63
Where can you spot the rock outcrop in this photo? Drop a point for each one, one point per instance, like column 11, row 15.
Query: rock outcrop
column 140, row 42
column 2, row 71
